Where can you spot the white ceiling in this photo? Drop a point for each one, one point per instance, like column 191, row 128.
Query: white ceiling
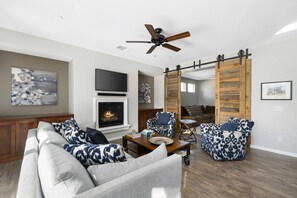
column 216, row 26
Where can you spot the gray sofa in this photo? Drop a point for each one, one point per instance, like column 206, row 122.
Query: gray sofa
column 162, row 176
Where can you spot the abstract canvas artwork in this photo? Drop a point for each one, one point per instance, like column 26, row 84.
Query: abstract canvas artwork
column 33, row 87
column 144, row 93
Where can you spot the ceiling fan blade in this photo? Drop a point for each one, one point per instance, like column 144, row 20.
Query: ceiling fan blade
column 171, row 47
column 151, row 49
column 138, row 41
column 178, row 36
column 151, row 30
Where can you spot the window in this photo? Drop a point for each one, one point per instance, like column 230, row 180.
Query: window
column 191, row 88
column 183, row 87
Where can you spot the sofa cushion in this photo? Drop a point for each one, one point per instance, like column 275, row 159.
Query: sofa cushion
column 91, row 154
column 45, row 126
column 106, row 172
column 47, row 137
column 96, row 136
column 61, row 174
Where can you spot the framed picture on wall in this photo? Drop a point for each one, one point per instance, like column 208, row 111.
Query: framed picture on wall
column 281, row 90
column 33, row 87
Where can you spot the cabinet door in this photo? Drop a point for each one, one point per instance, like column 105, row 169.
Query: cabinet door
column 7, row 140
column 22, row 128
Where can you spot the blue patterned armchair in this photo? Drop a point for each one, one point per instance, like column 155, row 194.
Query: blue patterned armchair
column 227, row 141
column 164, row 124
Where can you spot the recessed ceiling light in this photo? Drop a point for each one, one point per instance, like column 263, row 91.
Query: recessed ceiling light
column 287, row 28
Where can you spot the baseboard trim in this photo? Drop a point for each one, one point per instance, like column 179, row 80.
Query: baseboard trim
column 274, row 150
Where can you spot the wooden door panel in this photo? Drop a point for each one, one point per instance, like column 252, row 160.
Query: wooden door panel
column 172, row 94
column 232, row 90
column 7, row 140
column 22, row 127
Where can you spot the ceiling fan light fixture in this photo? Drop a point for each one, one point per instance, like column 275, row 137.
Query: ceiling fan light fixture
column 160, row 40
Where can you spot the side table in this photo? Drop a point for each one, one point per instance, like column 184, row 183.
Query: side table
column 187, row 131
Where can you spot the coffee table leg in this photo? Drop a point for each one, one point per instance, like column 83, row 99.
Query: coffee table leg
column 187, row 158
column 125, row 142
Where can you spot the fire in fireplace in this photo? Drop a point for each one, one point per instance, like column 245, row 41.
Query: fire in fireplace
column 110, row 114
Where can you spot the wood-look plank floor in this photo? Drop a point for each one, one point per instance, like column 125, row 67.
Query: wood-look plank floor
column 261, row 174
column 9, row 177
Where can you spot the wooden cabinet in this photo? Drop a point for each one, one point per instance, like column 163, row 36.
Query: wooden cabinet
column 14, row 130
column 144, row 115
column 7, row 140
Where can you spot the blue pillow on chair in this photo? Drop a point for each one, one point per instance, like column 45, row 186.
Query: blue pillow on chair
column 163, row 118
column 229, row 127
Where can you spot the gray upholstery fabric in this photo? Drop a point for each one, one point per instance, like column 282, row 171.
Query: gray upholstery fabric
column 61, row 174
column 29, row 175
column 164, row 175
column 47, row 137
column 105, row 172
column 45, row 126
column 160, row 178
column 46, row 134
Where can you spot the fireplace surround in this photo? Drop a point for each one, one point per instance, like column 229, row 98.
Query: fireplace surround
column 111, row 113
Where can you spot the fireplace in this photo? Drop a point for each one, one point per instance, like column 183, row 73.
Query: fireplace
column 111, row 113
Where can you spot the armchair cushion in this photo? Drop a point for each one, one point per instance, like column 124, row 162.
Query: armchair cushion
column 163, row 118
column 229, row 126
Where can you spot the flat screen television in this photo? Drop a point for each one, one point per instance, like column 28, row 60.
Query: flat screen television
column 110, row 81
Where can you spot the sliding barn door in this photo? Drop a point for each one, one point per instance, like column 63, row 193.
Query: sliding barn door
column 233, row 90
column 172, row 101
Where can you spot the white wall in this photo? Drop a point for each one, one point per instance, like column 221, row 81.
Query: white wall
column 274, row 130
column 82, row 72
column 159, row 91
column 206, row 92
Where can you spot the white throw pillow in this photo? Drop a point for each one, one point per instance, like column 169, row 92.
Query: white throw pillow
column 106, row 172
column 61, row 174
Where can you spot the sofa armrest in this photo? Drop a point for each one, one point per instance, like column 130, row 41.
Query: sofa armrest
column 161, row 177
column 29, row 184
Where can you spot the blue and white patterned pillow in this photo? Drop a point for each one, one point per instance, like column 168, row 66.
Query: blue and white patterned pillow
column 92, row 154
column 71, row 132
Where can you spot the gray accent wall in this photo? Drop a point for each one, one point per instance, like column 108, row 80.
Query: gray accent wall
column 189, row 98
column 204, row 95
column 9, row 59
column 206, row 90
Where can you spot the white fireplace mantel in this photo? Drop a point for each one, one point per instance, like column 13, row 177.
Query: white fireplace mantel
column 116, row 128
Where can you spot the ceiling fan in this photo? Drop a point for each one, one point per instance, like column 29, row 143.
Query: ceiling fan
column 159, row 39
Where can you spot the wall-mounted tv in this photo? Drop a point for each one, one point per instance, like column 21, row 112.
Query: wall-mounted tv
column 110, row 81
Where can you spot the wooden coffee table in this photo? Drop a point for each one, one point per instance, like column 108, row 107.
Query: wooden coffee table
column 142, row 146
